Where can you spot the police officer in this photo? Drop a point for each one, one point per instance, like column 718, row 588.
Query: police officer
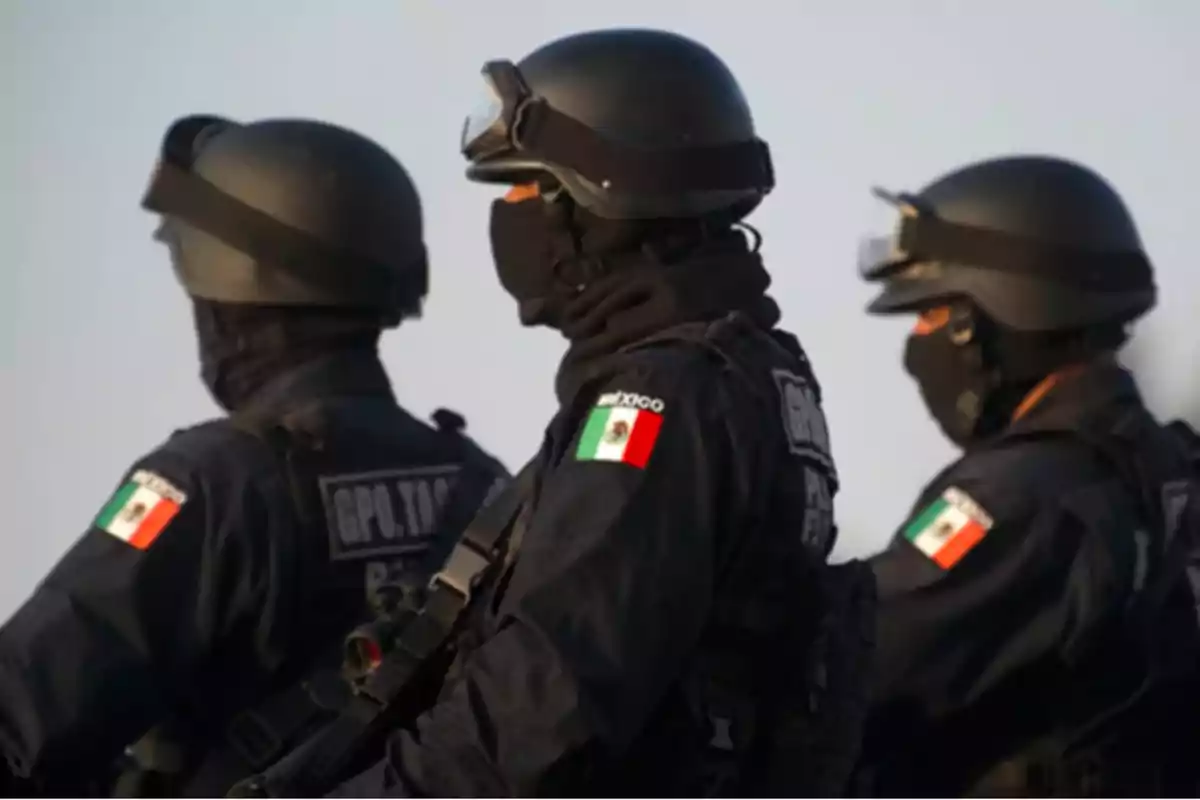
column 1021, row 600
column 232, row 556
column 679, row 514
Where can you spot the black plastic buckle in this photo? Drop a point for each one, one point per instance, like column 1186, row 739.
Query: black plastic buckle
column 462, row 571
column 253, row 739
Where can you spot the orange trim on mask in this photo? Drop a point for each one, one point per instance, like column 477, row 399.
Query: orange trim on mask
column 522, row 192
column 930, row 320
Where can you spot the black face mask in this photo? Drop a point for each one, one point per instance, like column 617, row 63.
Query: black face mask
column 528, row 247
column 218, row 351
column 244, row 347
column 953, row 381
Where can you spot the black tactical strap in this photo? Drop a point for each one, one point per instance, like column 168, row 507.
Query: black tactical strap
column 1169, row 496
column 1071, row 760
column 259, row 736
column 738, row 687
column 1173, row 497
column 1150, row 462
column 786, row 716
column 815, row 745
column 286, row 437
column 474, row 559
column 466, row 499
column 315, row 766
column 256, row 737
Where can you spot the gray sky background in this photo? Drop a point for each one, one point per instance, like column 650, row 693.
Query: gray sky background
column 98, row 356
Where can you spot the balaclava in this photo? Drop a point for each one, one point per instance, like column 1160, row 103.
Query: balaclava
column 973, row 373
column 243, row 347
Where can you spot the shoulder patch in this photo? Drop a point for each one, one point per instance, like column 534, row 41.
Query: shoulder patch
column 141, row 509
column 949, row 527
column 803, row 421
column 622, row 427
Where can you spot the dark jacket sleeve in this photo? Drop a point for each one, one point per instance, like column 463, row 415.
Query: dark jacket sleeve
column 608, row 598
column 122, row 626
column 1047, row 575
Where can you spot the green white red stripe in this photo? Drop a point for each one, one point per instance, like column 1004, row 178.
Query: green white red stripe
column 618, row 433
column 949, row 527
column 141, row 509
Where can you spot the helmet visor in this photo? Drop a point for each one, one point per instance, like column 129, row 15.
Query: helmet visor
column 487, row 113
column 885, row 244
column 488, row 129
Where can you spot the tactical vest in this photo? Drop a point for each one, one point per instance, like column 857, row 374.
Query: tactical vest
column 1115, row 725
column 781, row 668
column 376, row 495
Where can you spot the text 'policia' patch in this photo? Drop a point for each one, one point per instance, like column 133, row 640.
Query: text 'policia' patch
column 141, row 509
column 622, row 427
column 949, row 527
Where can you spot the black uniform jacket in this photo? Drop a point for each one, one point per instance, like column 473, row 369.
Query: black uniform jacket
column 195, row 584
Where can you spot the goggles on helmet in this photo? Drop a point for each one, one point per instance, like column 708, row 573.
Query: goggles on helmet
column 510, row 119
column 920, row 244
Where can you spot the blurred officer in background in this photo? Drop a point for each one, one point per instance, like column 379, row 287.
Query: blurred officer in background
column 232, row 557
column 1037, row 633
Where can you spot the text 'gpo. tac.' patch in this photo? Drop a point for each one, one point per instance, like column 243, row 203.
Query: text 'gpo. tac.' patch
column 949, row 527
column 622, row 427
column 141, row 509
column 388, row 513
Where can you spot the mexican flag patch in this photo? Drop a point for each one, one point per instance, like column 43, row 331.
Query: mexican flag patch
column 141, row 509
column 619, row 433
column 949, row 527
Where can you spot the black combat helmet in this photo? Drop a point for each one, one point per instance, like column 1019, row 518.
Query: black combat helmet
column 289, row 212
column 633, row 124
column 1038, row 243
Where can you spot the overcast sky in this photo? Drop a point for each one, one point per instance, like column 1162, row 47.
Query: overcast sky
column 99, row 358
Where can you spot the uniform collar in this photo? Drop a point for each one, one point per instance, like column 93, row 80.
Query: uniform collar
column 641, row 297
column 345, row 374
column 1078, row 397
